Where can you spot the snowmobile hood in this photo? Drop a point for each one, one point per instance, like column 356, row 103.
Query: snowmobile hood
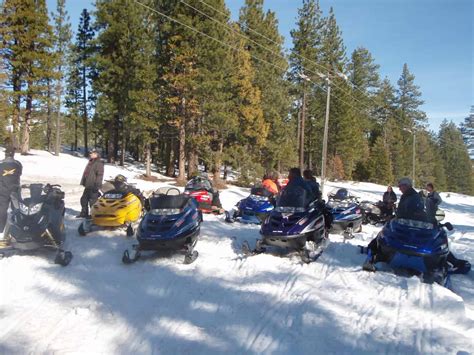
column 292, row 223
column 116, row 209
column 157, row 225
column 255, row 203
column 415, row 236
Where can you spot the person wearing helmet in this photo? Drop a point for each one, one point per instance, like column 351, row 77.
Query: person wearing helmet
column 92, row 182
column 120, row 184
column 10, row 173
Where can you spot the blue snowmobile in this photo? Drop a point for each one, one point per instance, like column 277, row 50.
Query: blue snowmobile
column 253, row 209
column 172, row 222
column 416, row 247
column 296, row 224
column 346, row 212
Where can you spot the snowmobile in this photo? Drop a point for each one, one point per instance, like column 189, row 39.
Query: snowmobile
column 37, row 222
column 346, row 212
column 296, row 224
column 172, row 222
column 253, row 209
column 200, row 188
column 416, row 247
column 376, row 212
column 118, row 207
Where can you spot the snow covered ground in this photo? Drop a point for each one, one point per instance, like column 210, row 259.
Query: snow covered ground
column 224, row 302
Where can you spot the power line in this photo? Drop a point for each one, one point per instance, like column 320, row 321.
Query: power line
column 227, row 26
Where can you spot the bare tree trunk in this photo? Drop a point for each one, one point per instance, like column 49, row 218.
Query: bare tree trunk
column 110, row 144
column 49, row 127
column 84, row 108
column 75, row 134
column 124, row 146
column 169, row 157
column 25, row 146
column 58, row 121
column 182, row 153
column 218, row 163
column 16, row 107
column 148, row 160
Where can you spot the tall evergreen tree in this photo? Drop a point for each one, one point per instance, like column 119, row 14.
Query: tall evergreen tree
column 62, row 43
column 458, row 168
column 262, row 28
column 26, row 40
column 83, row 50
column 379, row 165
column 409, row 99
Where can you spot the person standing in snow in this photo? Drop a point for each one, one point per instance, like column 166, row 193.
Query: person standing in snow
column 389, row 199
column 432, row 201
column 10, row 173
column 92, row 182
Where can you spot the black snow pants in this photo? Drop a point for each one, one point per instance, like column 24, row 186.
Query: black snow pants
column 4, row 203
column 88, row 198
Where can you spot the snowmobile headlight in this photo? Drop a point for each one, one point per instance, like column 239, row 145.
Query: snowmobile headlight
column 31, row 209
column 112, row 196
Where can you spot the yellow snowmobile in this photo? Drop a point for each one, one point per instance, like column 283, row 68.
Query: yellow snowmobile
column 119, row 206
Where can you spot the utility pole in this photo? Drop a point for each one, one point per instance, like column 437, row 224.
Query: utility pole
column 325, row 137
column 303, row 109
column 414, row 153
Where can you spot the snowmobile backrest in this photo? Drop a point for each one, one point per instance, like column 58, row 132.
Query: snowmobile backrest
column 170, row 191
column 169, row 202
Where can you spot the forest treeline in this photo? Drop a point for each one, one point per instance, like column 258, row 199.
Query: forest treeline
column 178, row 84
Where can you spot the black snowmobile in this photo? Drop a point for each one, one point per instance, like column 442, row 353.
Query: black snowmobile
column 376, row 212
column 37, row 222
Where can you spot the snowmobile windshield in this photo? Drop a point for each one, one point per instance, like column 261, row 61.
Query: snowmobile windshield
column 172, row 203
column 32, row 194
column 414, row 223
column 198, row 184
column 114, row 195
column 260, row 192
column 291, row 200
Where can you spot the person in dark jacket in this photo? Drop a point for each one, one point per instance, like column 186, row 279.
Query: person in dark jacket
column 432, row 201
column 10, row 173
column 389, row 199
column 311, row 181
column 295, row 179
column 92, row 182
column 411, row 205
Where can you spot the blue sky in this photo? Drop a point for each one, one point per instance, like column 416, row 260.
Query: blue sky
column 434, row 37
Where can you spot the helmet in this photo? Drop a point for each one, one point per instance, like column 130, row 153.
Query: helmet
column 120, row 178
column 341, row 194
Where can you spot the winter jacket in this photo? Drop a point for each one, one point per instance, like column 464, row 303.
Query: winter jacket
column 411, row 206
column 93, row 174
column 270, row 185
column 299, row 181
column 313, row 184
column 389, row 198
column 10, row 172
column 432, row 202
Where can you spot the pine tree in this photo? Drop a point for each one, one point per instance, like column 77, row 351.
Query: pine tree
column 26, row 40
column 409, row 99
column 305, row 62
column 379, row 166
column 63, row 35
column 83, row 50
column 266, row 43
column 456, row 159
